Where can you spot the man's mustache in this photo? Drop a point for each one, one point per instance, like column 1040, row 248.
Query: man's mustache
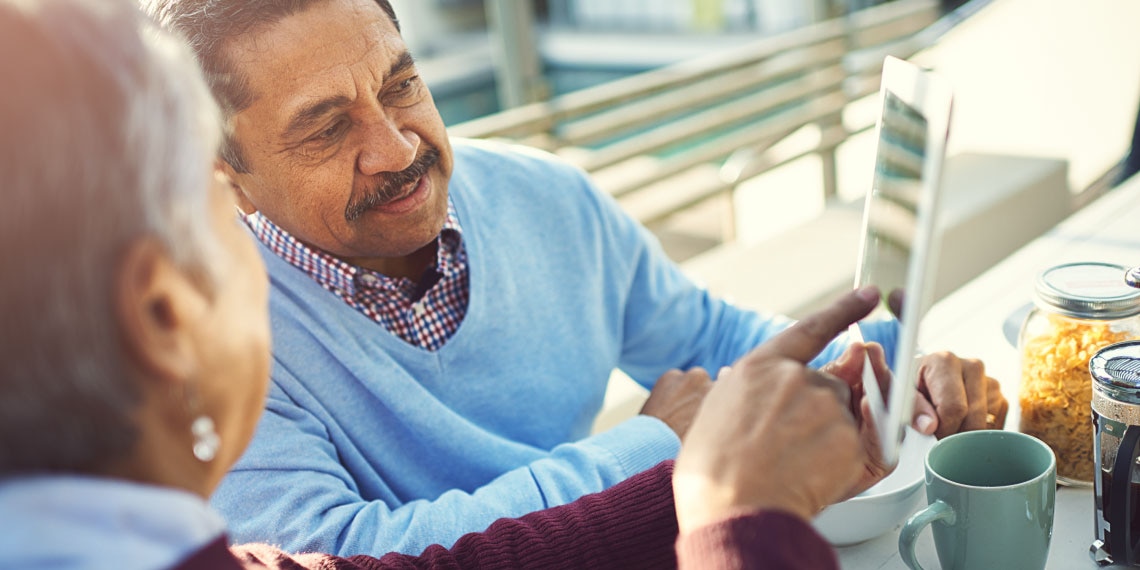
column 391, row 186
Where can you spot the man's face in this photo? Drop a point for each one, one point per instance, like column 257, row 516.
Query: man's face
column 345, row 148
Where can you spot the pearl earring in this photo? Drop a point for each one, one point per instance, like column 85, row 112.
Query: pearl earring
column 206, row 440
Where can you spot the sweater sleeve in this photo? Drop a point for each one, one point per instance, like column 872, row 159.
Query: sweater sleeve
column 629, row 526
column 762, row 540
column 292, row 489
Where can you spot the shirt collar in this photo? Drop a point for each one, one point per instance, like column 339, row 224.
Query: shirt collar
column 95, row 523
column 345, row 278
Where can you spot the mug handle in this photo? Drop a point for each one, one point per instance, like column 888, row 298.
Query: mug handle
column 936, row 511
column 1123, row 548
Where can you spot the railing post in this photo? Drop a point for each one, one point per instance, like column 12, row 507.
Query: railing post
column 830, row 169
column 518, row 71
column 828, row 160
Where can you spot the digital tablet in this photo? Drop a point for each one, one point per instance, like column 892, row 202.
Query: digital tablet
column 898, row 246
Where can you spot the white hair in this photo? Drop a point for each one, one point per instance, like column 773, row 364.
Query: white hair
column 110, row 135
column 177, row 131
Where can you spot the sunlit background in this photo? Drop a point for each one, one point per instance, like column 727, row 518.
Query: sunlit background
column 741, row 131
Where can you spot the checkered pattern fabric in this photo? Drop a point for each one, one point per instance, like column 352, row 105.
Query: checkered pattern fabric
column 424, row 313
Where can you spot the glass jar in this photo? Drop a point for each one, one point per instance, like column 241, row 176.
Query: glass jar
column 1079, row 308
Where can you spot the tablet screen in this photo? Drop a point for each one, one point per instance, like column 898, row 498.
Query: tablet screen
column 891, row 211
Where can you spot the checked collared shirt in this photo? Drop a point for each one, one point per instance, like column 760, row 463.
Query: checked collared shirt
column 424, row 313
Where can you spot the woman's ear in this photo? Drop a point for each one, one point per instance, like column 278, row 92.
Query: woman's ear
column 158, row 306
column 231, row 176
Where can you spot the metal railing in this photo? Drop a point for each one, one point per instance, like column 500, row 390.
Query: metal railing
column 652, row 16
column 647, row 15
column 667, row 139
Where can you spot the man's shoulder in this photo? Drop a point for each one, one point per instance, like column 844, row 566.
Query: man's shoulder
column 505, row 178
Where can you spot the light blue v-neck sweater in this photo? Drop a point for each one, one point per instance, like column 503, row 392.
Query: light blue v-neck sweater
column 371, row 445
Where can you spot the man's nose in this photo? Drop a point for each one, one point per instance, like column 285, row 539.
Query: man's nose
column 387, row 147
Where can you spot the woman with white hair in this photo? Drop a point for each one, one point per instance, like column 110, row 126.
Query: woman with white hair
column 135, row 349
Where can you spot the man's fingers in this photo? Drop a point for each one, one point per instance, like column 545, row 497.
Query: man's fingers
column 925, row 418
column 895, row 301
column 808, row 337
column 849, row 366
column 974, row 378
column 996, row 404
column 942, row 375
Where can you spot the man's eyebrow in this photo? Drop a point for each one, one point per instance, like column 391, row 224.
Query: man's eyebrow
column 402, row 63
column 304, row 119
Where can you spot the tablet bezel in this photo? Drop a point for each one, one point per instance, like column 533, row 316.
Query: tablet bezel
column 931, row 96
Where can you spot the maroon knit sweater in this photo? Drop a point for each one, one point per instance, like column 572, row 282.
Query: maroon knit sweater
column 629, row 526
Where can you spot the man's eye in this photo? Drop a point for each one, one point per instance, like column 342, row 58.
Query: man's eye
column 332, row 131
column 403, row 94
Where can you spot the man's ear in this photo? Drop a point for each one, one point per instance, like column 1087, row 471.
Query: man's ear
column 158, row 306
column 240, row 197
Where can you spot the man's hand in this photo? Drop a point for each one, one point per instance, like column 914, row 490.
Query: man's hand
column 955, row 395
column 774, row 434
column 964, row 399
column 849, row 369
column 676, row 397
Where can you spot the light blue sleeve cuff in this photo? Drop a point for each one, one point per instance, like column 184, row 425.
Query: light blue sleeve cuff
column 638, row 443
column 885, row 332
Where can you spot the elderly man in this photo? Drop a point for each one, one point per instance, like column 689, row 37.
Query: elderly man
column 445, row 313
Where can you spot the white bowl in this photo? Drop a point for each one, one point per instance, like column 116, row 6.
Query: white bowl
column 885, row 505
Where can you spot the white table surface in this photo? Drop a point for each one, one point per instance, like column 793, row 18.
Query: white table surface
column 972, row 322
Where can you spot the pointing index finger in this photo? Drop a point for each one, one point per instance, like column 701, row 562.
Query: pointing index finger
column 808, row 337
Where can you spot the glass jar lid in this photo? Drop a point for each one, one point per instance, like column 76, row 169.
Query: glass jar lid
column 1088, row 290
column 1117, row 365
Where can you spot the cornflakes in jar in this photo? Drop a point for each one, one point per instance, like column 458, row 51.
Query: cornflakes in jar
column 1080, row 309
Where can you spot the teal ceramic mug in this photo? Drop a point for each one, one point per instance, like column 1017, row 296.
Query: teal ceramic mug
column 991, row 498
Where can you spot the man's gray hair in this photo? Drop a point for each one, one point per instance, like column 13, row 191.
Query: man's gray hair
column 210, row 26
column 108, row 136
